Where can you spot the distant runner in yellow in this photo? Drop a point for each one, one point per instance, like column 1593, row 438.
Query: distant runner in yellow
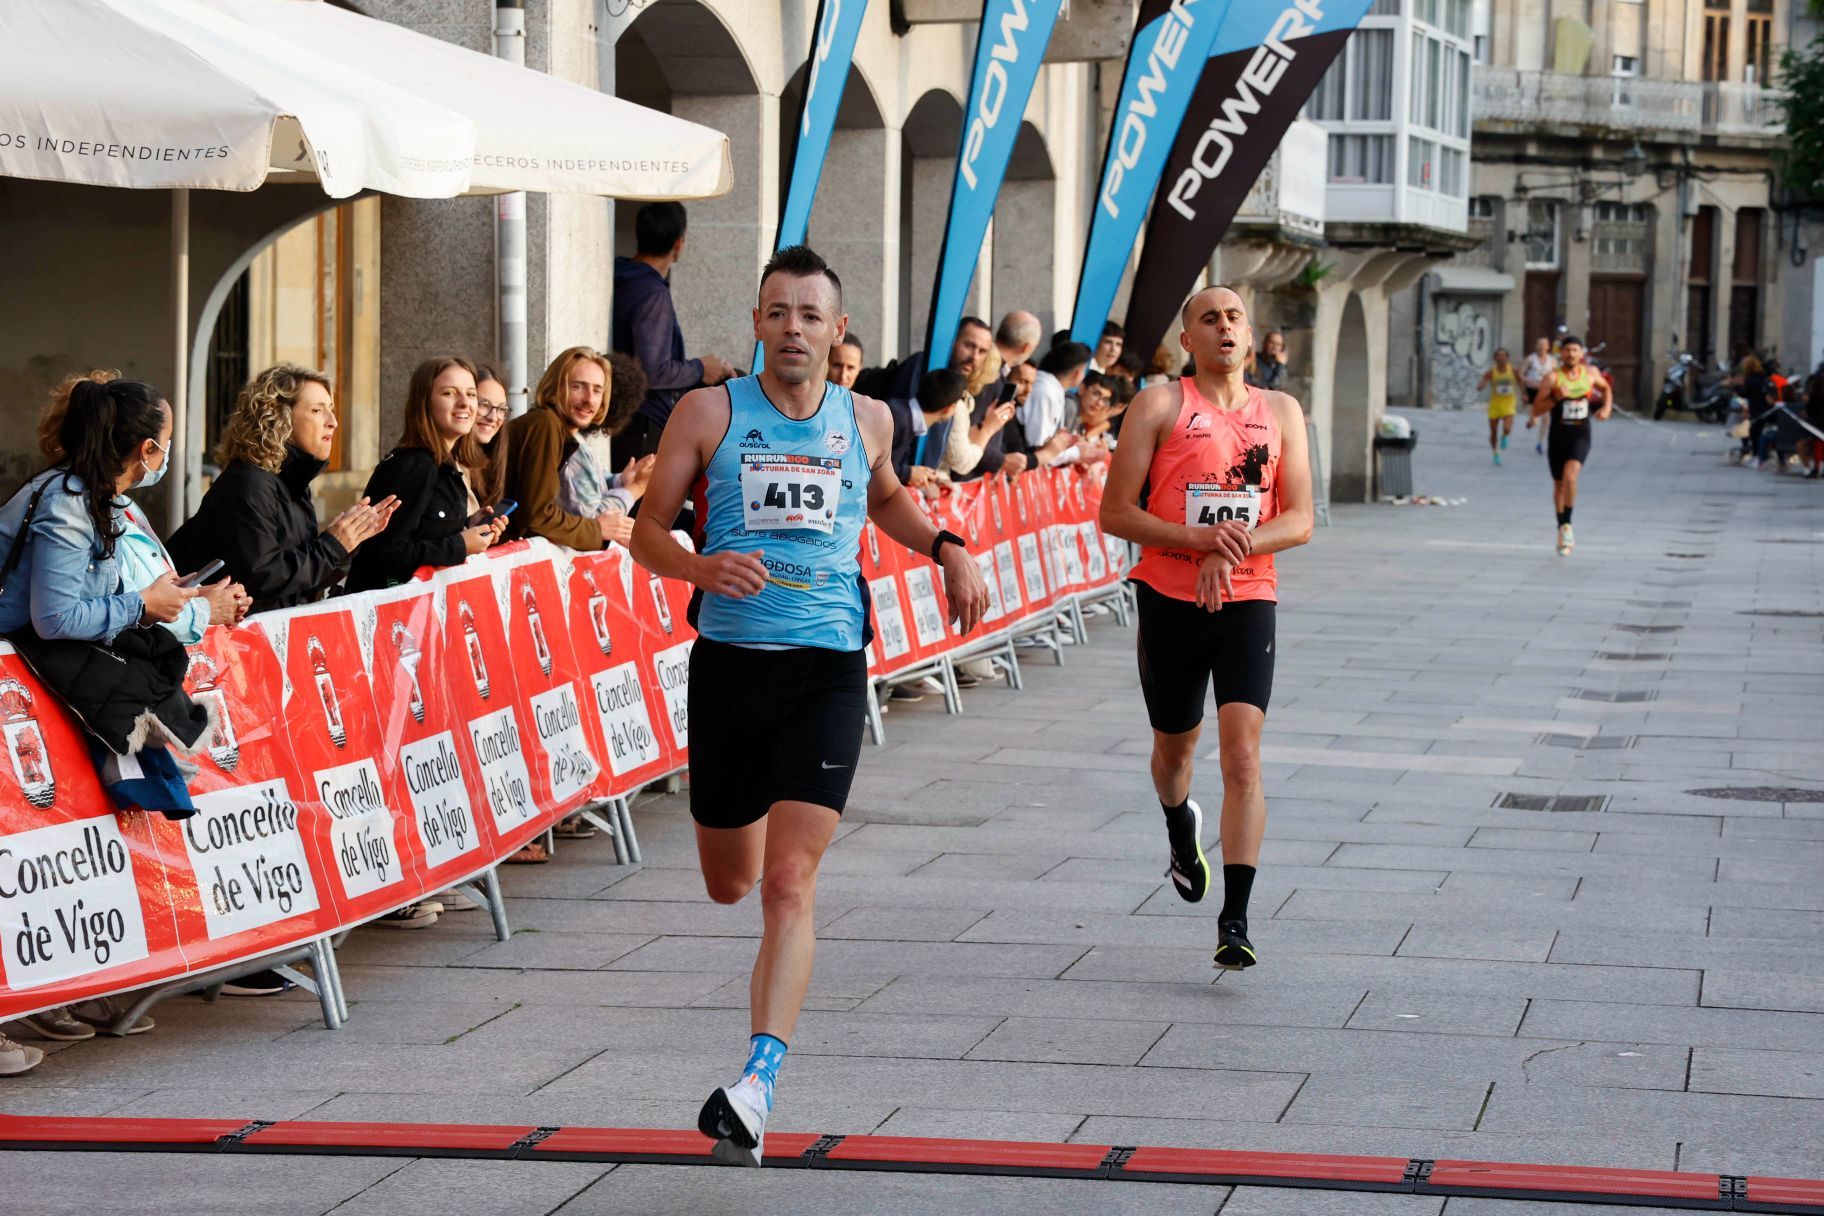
column 1503, row 385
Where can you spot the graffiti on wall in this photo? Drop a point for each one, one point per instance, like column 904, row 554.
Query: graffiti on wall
column 1468, row 331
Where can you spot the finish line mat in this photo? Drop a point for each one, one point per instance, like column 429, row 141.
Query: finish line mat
column 804, row 1150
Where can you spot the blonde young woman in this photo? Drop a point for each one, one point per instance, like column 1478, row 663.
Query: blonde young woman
column 258, row 516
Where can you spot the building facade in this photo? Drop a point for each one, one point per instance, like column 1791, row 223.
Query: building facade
column 1622, row 187
column 1359, row 201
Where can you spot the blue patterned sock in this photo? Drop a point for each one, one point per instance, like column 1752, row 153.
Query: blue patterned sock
column 763, row 1062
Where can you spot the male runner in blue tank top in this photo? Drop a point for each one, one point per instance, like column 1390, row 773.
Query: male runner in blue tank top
column 784, row 469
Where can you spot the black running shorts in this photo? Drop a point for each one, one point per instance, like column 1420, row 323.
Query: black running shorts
column 1565, row 442
column 772, row 726
column 1185, row 650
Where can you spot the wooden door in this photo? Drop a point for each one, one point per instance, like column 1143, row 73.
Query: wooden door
column 1616, row 310
column 1541, row 307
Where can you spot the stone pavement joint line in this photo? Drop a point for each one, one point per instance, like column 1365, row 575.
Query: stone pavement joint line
column 919, row 1154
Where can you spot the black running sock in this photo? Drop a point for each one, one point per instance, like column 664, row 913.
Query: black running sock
column 1567, row 514
column 1564, row 517
column 1237, row 886
column 1172, row 812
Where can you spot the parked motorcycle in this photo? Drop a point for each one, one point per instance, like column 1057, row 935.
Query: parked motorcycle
column 1686, row 387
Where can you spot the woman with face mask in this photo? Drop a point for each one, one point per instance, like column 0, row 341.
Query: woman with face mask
column 76, row 603
column 143, row 558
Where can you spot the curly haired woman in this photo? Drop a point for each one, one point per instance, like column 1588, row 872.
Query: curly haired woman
column 258, row 516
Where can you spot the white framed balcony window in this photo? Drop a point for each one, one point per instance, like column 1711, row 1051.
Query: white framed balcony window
column 1421, row 164
column 1359, row 85
column 1624, row 70
column 1361, row 160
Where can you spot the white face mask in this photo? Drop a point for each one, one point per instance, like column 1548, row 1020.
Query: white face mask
column 152, row 476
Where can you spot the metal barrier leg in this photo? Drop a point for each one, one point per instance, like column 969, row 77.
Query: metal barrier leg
column 486, row 888
column 877, row 729
column 1077, row 628
column 1011, row 658
column 610, row 825
column 953, row 696
column 623, row 810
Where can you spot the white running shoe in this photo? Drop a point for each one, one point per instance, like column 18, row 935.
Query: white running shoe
column 735, row 1118
column 1565, row 539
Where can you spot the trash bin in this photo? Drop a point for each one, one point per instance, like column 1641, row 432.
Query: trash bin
column 1393, row 465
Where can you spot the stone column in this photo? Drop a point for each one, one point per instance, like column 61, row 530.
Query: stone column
column 1722, row 278
column 855, row 226
column 730, row 237
column 1573, row 217
column 930, row 202
column 1023, row 250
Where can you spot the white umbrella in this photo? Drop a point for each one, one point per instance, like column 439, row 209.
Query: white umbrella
column 165, row 94
column 532, row 131
column 169, row 94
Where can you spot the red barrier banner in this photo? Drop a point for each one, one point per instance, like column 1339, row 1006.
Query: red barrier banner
column 244, row 875
column 608, row 643
column 1000, row 534
column 83, row 903
column 892, row 649
column 564, row 742
column 483, row 700
column 336, row 741
column 428, row 775
column 661, row 607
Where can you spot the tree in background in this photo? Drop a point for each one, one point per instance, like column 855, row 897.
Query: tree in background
column 1802, row 83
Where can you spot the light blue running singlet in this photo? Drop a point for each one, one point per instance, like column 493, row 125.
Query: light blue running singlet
column 796, row 492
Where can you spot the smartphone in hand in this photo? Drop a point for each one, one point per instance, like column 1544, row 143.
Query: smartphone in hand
column 202, row 576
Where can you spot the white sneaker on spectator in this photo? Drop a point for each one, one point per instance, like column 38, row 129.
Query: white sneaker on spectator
column 918, row 690
column 16, row 1058
column 104, row 1011
column 260, row 983
column 456, row 901
column 58, row 1026
column 420, row 915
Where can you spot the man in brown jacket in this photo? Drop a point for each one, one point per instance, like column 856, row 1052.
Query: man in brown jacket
column 572, row 394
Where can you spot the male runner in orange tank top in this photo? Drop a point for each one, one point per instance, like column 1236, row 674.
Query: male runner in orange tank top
column 1211, row 479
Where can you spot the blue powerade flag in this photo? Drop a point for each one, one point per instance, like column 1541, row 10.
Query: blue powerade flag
column 1007, row 57
column 833, row 37
column 1267, row 59
column 1171, row 42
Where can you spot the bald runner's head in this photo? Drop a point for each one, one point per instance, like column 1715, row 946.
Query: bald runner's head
column 1216, row 330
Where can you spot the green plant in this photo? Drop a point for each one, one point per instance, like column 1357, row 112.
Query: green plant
column 1316, row 272
column 1801, row 86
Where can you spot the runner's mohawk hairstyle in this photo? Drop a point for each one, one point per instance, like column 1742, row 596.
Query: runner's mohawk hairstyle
column 801, row 261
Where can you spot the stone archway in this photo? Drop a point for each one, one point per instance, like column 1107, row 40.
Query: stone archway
column 928, row 142
column 680, row 58
column 1025, row 232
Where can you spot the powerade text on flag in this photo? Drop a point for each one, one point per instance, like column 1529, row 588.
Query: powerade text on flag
column 1267, row 59
column 1007, row 56
column 1172, row 40
column 833, row 37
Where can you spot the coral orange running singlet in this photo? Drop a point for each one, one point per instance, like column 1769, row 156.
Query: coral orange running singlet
column 1214, row 466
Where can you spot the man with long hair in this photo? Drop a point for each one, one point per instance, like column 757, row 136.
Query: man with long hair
column 571, row 395
column 786, row 469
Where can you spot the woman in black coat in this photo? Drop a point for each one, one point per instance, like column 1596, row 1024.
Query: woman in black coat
column 429, row 472
column 258, row 516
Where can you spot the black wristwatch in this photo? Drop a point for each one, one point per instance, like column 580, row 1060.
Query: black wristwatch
column 944, row 538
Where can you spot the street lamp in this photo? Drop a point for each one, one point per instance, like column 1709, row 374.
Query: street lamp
column 1634, row 161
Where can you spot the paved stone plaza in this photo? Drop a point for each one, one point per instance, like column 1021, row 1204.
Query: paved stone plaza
column 1633, row 980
